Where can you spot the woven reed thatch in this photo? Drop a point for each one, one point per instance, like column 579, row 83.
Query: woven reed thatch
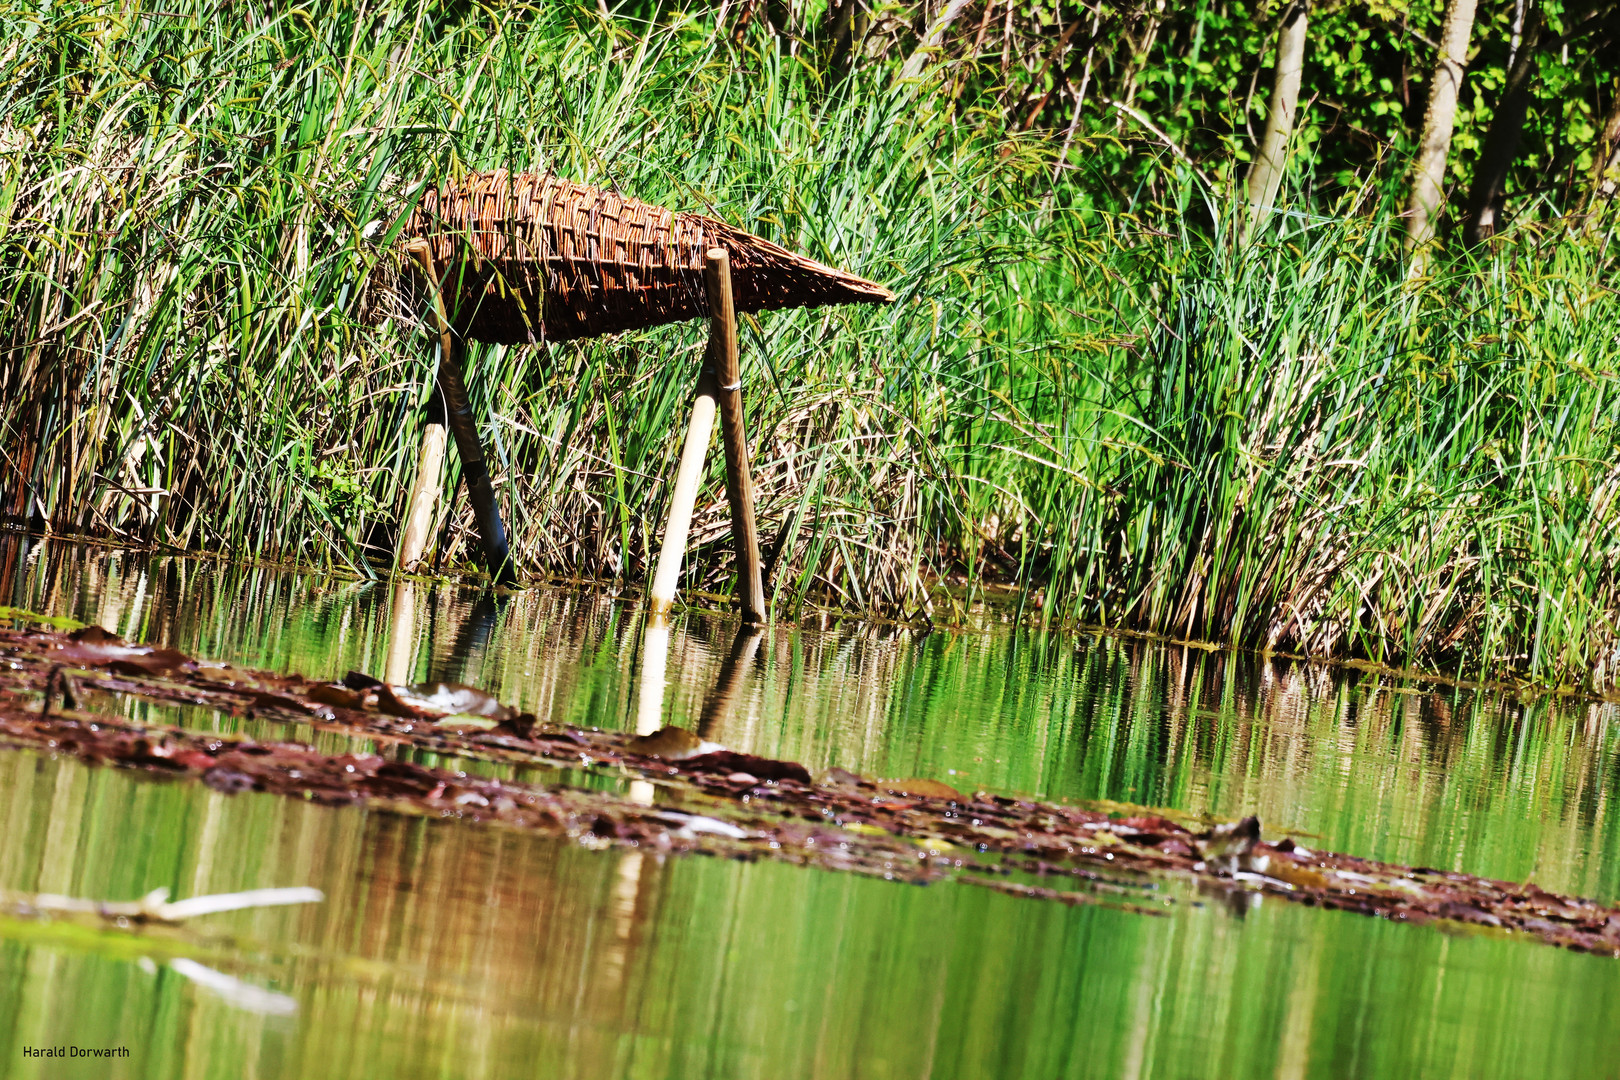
column 512, row 247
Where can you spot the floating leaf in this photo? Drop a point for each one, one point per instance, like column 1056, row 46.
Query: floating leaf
column 429, row 701
column 466, row 722
column 922, row 788
column 672, row 744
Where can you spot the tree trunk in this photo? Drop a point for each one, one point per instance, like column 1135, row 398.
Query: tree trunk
column 846, row 22
column 1265, row 176
column 1429, row 170
column 1502, row 139
column 1605, row 179
column 780, row 14
column 1058, row 83
column 928, row 46
column 1139, row 53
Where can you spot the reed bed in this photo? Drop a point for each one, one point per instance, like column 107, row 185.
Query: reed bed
column 1283, row 444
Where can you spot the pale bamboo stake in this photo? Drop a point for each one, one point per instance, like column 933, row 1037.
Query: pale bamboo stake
column 662, row 595
column 739, row 478
column 424, row 498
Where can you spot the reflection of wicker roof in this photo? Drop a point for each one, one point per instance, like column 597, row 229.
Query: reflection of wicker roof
column 603, row 263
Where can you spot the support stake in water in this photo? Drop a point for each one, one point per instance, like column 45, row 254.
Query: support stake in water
column 425, row 491
column 723, row 356
column 452, row 389
column 690, row 472
column 719, row 386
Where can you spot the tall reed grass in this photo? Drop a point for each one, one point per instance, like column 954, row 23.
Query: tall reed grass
column 1283, row 445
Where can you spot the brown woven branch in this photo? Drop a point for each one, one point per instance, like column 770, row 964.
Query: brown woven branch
column 513, row 247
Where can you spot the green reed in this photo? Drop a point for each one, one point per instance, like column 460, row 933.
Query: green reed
column 1284, row 445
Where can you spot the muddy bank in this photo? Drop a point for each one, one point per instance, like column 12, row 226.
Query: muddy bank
column 672, row 792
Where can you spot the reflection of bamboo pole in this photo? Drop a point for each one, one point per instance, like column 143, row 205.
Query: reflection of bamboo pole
column 1145, row 1017
column 739, row 479
column 654, row 663
column 720, row 701
column 650, row 696
column 682, row 499
column 452, row 389
column 156, row 906
column 622, row 912
column 402, row 635
column 1294, row 1056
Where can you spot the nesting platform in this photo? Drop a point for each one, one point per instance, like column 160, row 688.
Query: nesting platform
column 530, row 258
column 518, row 259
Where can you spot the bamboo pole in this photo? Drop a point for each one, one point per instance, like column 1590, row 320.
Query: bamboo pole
column 662, row 595
column 739, row 478
column 424, row 496
column 458, row 411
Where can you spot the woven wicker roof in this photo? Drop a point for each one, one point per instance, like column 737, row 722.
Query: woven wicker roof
column 510, row 247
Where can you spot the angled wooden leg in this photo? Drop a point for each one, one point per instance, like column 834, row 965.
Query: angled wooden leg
column 475, row 472
column 452, row 389
column 739, row 477
column 687, row 477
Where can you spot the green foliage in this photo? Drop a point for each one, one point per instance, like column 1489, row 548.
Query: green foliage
column 1199, row 72
column 1083, row 388
column 1323, row 457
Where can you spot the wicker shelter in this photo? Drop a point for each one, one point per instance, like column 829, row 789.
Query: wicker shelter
column 530, row 257
column 517, row 259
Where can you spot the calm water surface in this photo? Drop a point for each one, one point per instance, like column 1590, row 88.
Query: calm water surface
column 451, row 950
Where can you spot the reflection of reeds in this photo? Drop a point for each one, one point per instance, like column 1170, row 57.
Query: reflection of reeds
column 491, row 951
column 1411, row 773
column 1288, row 446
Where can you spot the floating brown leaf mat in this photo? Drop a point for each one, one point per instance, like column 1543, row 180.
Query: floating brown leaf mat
column 712, row 801
column 530, row 256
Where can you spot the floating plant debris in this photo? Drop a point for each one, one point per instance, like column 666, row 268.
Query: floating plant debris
column 156, row 906
column 708, row 799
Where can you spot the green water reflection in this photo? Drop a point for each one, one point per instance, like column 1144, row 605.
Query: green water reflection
column 455, row 951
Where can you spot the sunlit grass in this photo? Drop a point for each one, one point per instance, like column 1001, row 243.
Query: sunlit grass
column 1285, row 445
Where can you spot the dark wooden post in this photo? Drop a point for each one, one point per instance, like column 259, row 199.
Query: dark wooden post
column 452, row 390
column 739, row 478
